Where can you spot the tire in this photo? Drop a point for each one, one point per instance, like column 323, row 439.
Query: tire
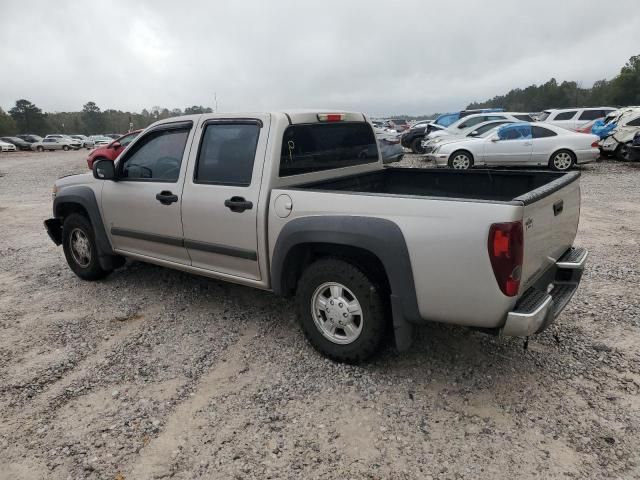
column 40, row 148
column 460, row 160
column 416, row 146
column 623, row 153
column 341, row 280
column 65, row 148
column 79, row 245
column 562, row 160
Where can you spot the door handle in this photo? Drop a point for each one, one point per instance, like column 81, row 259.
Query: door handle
column 527, row 144
column 558, row 207
column 238, row 204
column 165, row 197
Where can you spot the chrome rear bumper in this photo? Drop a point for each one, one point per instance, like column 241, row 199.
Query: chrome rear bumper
column 542, row 303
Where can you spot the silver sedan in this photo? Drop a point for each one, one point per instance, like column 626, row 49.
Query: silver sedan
column 53, row 144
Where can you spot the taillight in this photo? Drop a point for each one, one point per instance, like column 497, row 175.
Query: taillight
column 594, row 144
column 506, row 246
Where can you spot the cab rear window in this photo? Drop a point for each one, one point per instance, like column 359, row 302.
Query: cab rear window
column 315, row 147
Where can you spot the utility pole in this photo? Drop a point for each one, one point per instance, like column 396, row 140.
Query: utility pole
column 215, row 102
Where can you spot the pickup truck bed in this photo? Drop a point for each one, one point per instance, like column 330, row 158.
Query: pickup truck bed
column 489, row 185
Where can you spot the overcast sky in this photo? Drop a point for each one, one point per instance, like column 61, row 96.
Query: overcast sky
column 380, row 57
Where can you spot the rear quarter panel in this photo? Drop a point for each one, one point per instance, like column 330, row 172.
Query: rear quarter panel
column 447, row 243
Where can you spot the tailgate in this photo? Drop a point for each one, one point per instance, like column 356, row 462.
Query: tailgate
column 550, row 222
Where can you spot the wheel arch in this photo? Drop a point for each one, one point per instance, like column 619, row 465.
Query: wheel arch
column 374, row 244
column 82, row 200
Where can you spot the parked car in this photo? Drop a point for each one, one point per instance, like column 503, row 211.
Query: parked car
column 7, row 147
column 75, row 144
column 99, row 140
column 429, row 145
column 86, row 141
column 112, row 136
column 520, row 144
column 18, row 142
column 54, row 144
column 299, row 203
column 634, row 150
column 397, row 124
column 389, row 144
column 113, row 149
column 30, row 138
column 477, row 118
column 617, row 143
column 446, row 119
column 573, row 118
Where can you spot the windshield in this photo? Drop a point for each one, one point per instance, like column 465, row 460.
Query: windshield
column 544, row 115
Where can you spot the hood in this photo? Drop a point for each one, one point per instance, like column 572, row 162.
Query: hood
column 79, row 179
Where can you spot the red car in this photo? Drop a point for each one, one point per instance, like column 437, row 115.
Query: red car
column 111, row 151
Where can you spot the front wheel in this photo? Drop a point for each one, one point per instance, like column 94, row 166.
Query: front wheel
column 562, row 160
column 416, row 146
column 65, row 147
column 623, row 152
column 40, row 148
column 461, row 160
column 79, row 245
column 341, row 310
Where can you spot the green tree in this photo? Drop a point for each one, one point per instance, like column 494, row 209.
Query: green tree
column 92, row 117
column 28, row 117
column 7, row 124
column 197, row 109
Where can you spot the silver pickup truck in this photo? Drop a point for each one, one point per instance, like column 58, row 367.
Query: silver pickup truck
column 300, row 203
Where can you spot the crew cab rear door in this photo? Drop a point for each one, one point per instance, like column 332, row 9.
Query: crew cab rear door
column 221, row 192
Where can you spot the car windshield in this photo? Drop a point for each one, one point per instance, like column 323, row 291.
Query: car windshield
column 544, row 115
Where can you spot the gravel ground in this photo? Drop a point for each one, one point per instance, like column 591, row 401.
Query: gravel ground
column 154, row 373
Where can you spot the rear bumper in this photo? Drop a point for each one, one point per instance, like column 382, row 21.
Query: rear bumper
column 543, row 302
column 587, row 156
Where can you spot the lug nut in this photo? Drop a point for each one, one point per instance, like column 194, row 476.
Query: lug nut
column 344, row 315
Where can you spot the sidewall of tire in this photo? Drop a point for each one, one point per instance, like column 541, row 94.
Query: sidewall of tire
column 93, row 271
column 458, row 152
column 371, row 300
column 416, row 147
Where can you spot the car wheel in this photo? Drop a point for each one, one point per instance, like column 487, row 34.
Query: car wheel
column 79, row 245
column 562, row 160
column 40, row 148
column 416, row 146
column 65, row 147
column 461, row 160
column 341, row 310
column 623, row 152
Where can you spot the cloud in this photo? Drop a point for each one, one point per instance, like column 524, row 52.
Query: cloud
column 377, row 57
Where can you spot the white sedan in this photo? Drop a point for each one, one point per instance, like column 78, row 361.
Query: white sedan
column 7, row 147
column 519, row 144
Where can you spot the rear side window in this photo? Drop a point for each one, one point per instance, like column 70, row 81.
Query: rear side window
column 541, row 132
column 156, row 157
column 323, row 146
column 591, row 115
column 566, row 115
column 634, row 122
column 524, row 118
column 227, row 152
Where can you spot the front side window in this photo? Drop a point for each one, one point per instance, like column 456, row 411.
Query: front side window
column 515, row 131
column 157, row 157
column 227, row 152
column 485, row 128
column 566, row 115
column 315, row 147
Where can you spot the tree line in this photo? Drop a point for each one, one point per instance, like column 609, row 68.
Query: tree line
column 622, row 90
column 26, row 117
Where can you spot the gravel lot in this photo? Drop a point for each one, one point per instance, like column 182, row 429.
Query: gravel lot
column 154, row 373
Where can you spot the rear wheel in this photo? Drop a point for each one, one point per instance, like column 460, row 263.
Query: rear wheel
column 79, row 245
column 40, row 148
column 341, row 310
column 416, row 146
column 461, row 160
column 562, row 160
column 65, row 147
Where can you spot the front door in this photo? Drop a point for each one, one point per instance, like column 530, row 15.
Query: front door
column 510, row 146
column 142, row 207
column 222, row 188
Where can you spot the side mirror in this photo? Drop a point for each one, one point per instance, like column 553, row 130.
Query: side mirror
column 104, row 170
column 474, row 133
column 495, row 139
column 115, row 145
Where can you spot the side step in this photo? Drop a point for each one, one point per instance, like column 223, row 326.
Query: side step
column 574, row 258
